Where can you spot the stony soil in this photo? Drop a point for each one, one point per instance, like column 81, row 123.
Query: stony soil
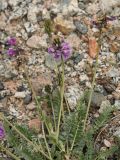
column 24, row 19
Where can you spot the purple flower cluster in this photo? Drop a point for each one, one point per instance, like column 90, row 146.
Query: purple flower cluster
column 11, row 42
column 2, row 131
column 61, row 50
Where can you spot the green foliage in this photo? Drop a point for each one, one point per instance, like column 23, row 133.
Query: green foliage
column 73, row 143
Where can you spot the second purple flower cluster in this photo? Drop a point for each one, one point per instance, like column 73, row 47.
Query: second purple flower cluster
column 11, row 42
column 2, row 131
column 60, row 50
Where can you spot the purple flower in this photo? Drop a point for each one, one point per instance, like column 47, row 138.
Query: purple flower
column 2, row 131
column 61, row 50
column 11, row 41
column 11, row 52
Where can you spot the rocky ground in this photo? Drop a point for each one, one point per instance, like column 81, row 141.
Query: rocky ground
column 24, row 19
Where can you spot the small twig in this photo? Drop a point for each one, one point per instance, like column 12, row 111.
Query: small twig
column 9, row 152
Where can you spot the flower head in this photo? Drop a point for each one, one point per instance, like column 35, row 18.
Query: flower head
column 60, row 50
column 11, row 52
column 11, row 41
column 2, row 131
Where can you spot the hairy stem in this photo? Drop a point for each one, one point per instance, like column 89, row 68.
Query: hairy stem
column 61, row 103
column 8, row 152
column 46, row 142
column 53, row 112
column 91, row 93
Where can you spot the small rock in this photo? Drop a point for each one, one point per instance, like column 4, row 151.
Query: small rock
column 3, row 20
column 81, row 27
column 49, row 61
column 3, row 5
column 97, row 99
column 40, row 82
column 20, row 95
column 113, row 72
column 18, row 13
column 37, row 41
column 21, row 88
column 32, row 13
column 14, row 2
column 78, row 57
column 31, row 106
column 92, row 8
column 117, row 104
column 107, row 5
column 104, row 105
column 35, row 124
column 70, row 7
column 114, row 47
column 29, row 27
column 117, row 133
column 1, row 86
column 118, row 56
column 107, row 143
column 93, row 47
column 109, row 88
column 64, row 26
column 82, row 5
column 73, row 40
column 27, row 99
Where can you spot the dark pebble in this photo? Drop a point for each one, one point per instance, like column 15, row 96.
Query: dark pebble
column 77, row 58
column 21, row 88
column 81, row 27
column 1, row 86
column 27, row 99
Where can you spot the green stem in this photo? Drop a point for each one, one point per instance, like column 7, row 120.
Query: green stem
column 46, row 142
column 9, row 152
column 25, row 138
column 91, row 93
column 53, row 112
column 61, row 103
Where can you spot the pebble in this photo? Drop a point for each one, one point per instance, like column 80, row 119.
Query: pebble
column 117, row 132
column 31, row 106
column 97, row 99
column 64, row 26
column 107, row 143
column 104, row 105
column 81, row 27
column 3, row 5
column 1, row 86
column 27, row 99
column 35, row 124
column 74, row 41
column 37, row 41
column 20, row 94
column 113, row 72
column 118, row 56
column 78, row 57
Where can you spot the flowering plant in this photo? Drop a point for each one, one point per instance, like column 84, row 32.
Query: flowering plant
column 10, row 46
